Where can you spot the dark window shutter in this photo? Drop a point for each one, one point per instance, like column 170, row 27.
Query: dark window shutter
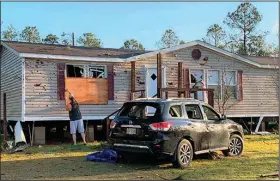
column 240, row 85
column 186, row 79
column 110, row 69
column 61, row 81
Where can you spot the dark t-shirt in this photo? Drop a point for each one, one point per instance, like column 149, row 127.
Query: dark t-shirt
column 75, row 113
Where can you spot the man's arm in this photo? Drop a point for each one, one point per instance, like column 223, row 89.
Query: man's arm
column 68, row 107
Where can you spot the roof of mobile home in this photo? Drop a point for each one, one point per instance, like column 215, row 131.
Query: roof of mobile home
column 39, row 50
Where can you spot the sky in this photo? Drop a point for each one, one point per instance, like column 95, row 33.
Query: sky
column 115, row 22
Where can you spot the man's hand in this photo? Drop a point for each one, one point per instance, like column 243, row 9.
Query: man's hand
column 68, row 107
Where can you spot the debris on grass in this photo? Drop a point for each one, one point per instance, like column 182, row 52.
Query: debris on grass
column 215, row 155
column 274, row 174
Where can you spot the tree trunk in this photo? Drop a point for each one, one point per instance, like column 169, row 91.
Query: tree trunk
column 244, row 42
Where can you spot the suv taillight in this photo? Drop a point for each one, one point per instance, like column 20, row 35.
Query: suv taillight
column 162, row 126
column 112, row 124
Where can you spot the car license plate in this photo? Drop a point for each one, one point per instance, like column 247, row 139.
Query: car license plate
column 130, row 131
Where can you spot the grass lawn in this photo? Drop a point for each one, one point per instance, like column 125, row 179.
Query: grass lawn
column 67, row 162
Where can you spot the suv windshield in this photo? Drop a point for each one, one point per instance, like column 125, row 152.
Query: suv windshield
column 141, row 110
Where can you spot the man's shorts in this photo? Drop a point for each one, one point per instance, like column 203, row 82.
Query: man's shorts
column 77, row 125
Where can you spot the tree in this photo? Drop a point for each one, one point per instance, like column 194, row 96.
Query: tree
column 182, row 42
column 132, row 44
column 30, row 34
column 258, row 47
column 168, row 39
column 10, row 34
column 225, row 94
column 65, row 41
column 245, row 19
column 89, row 40
column 215, row 36
column 51, row 39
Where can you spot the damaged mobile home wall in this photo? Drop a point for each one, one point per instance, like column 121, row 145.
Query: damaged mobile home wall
column 11, row 83
column 258, row 85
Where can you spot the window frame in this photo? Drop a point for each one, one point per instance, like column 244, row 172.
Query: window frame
column 235, row 85
column 86, row 70
column 190, row 75
column 182, row 111
column 105, row 70
column 235, row 75
column 203, row 79
column 75, row 64
column 199, row 107
column 220, row 81
column 206, row 117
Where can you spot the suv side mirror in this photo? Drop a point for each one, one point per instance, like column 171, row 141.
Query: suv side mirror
column 223, row 117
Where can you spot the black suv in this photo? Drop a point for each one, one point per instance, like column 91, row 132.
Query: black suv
column 175, row 127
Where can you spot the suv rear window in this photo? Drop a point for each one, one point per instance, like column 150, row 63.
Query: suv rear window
column 140, row 110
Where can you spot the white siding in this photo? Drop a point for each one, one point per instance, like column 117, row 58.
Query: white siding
column 11, row 84
column 259, row 90
column 42, row 101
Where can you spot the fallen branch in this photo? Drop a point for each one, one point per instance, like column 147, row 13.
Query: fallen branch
column 274, row 174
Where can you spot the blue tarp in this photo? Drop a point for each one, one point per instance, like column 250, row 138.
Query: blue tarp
column 107, row 155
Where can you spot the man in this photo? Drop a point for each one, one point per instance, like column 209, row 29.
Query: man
column 76, row 121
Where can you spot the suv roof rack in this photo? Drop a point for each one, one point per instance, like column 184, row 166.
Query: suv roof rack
column 180, row 98
column 147, row 98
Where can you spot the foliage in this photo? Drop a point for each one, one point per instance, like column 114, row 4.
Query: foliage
column 89, row 40
column 182, row 42
column 169, row 39
column 10, row 34
column 30, row 34
column 65, row 41
column 132, row 44
column 244, row 19
column 51, row 39
column 215, row 36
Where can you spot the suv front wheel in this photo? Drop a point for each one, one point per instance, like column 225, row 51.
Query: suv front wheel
column 183, row 154
column 235, row 146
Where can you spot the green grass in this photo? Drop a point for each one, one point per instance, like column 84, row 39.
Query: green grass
column 69, row 162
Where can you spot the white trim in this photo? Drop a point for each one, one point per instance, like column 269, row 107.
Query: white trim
column 197, row 42
column 23, row 90
column 253, row 115
column 65, row 118
column 74, row 58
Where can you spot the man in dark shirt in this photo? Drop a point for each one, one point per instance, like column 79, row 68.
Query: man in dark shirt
column 76, row 121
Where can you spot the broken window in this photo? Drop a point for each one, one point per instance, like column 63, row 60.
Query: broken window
column 75, row 71
column 96, row 71
column 197, row 79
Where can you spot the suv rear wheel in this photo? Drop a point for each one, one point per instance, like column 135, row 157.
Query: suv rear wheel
column 183, row 154
column 235, row 147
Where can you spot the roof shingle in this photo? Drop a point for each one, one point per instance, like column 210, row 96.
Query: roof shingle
column 38, row 48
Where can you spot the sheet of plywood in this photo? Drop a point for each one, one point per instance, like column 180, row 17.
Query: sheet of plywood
column 87, row 90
